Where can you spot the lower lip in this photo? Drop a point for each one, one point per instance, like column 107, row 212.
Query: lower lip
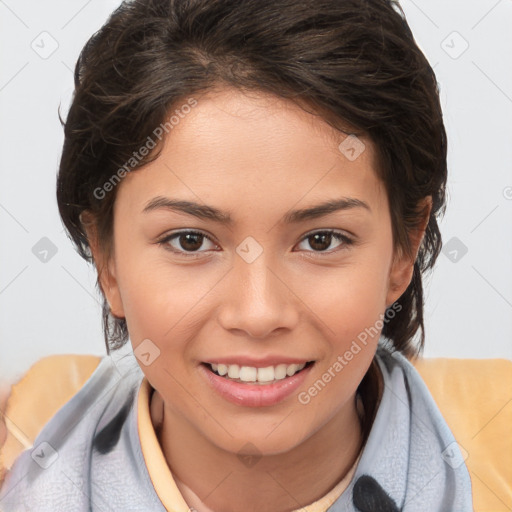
column 255, row 395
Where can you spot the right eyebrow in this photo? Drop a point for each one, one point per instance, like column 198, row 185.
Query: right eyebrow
column 190, row 208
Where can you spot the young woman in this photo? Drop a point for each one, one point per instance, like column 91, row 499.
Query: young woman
column 258, row 186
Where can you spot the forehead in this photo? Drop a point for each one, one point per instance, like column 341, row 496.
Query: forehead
column 229, row 117
column 235, row 147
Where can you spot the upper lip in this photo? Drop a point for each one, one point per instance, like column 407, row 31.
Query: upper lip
column 257, row 363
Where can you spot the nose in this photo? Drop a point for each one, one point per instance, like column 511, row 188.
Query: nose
column 258, row 301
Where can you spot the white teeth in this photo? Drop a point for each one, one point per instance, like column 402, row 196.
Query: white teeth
column 248, row 374
column 292, row 368
column 233, row 371
column 280, row 371
column 261, row 375
column 266, row 374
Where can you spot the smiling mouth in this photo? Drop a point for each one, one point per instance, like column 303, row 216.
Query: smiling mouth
column 253, row 375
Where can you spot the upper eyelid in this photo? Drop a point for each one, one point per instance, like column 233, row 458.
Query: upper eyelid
column 328, row 230
column 187, row 231
column 170, row 236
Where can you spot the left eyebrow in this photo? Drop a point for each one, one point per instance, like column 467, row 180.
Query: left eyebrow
column 323, row 209
column 211, row 213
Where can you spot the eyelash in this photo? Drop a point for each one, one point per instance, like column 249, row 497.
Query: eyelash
column 341, row 237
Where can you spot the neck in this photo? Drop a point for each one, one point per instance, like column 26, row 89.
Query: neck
column 212, row 479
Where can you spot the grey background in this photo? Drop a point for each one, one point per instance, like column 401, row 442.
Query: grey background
column 48, row 301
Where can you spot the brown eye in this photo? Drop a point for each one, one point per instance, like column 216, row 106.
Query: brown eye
column 322, row 240
column 186, row 242
column 190, row 241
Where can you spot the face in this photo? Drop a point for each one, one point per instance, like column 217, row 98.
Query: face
column 281, row 283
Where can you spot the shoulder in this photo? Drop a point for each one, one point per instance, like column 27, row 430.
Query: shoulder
column 56, row 467
column 39, row 394
column 473, row 398
column 405, row 449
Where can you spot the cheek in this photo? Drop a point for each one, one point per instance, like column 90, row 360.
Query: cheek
column 161, row 301
column 348, row 299
column 350, row 321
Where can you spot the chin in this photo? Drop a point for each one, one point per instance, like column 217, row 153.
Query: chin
column 270, row 439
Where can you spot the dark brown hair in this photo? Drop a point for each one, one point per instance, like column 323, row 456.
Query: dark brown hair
column 354, row 62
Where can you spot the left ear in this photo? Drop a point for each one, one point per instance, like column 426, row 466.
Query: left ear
column 402, row 268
